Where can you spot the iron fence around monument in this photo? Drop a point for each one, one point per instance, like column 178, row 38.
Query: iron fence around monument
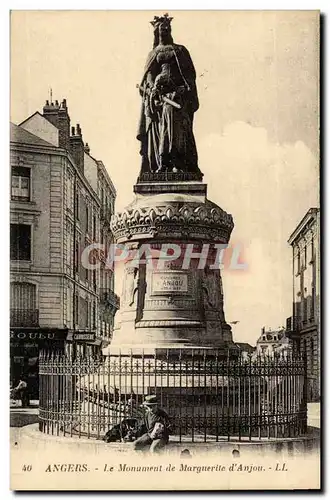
column 209, row 397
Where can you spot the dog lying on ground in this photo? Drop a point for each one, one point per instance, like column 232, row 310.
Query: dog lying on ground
column 127, row 430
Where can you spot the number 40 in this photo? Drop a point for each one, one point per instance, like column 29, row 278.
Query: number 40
column 27, row 468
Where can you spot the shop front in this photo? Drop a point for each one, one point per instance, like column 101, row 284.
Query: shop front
column 25, row 345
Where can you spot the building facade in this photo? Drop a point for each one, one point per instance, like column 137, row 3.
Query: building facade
column 273, row 342
column 304, row 324
column 245, row 349
column 109, row 301
column 56, row 211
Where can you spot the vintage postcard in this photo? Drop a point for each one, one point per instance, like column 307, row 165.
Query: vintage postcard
column 165, row 250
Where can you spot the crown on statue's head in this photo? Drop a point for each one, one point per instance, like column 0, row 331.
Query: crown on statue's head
column 165, row 19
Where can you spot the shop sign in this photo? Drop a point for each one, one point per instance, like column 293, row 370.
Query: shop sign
column 36, row 335
column 83, row 336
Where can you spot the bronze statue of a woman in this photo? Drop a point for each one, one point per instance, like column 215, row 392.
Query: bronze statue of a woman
column 169, row 101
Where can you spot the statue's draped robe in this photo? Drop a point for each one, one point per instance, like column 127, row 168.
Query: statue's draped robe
column 168, row 130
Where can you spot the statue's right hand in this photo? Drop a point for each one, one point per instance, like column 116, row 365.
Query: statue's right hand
column 154, row 93
column 155, row 99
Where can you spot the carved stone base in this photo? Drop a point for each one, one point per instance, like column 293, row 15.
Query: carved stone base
column 165, row 302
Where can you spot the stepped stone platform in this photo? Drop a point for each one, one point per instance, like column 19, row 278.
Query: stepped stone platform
column 31, row 437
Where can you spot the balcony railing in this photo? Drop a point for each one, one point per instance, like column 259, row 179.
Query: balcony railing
column 24, row 317
column 110, row 298
column 295, row 324
column 292, row 324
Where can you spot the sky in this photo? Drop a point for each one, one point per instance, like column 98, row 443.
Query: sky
column 256, row 130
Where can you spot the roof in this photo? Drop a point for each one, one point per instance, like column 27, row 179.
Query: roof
column 22, row 136
column 245, row 346
column 107, row 176
column 31, row 116
column 308, row 217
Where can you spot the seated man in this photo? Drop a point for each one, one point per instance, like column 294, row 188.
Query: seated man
column 157, row 425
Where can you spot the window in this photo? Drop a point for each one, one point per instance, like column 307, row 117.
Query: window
column 94, row 316
column 69, row 194
column 302, row 260
column 87, row 219
column 94, row 228
column 112, row 280
column 77, row 206
column 311, row 359
column 83, row 313
column 77, row 257
column 20, row 183
column 76, row 309
column 23, row 309
column 305, row 306
column 297, row 307
column 22, row 296
column 300, row 264
column 69, row 246
column 20, row 242
column 312, row 312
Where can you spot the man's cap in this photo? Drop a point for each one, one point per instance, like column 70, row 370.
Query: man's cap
column 150, row 400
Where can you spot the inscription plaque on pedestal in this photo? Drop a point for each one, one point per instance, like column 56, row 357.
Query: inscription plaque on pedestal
column 169, row 282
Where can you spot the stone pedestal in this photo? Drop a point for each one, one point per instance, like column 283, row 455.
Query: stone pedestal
column 172, row 302
column 172, row 310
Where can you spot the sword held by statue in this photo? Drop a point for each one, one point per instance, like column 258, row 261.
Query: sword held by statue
column 164, row 98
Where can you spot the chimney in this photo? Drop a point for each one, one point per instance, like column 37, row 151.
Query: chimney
column 77, row 147
column 58, row 115
column 87, row 149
